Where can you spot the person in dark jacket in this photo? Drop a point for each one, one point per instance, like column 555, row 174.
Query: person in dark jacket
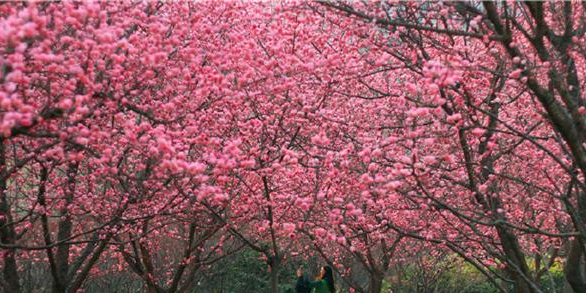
column 324, row 283
column 302, row 285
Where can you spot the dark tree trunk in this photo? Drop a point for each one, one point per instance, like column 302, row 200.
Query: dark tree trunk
column 275, row 266
column 7, row 234
column 574, row 269
column 518, row 269
column 375, row 283
column 64, row 232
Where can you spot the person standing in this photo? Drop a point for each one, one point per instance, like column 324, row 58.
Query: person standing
column 302, row 285
column 324, row 283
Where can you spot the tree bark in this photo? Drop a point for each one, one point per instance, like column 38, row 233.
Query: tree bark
column 375, row 283
column 275, row 266
column 574, row 270
column 517, row 268
column 7, row 233
column 64, row 232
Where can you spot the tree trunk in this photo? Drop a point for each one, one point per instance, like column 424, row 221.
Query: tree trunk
column 518, row 270
column 64, row 232
column 275, row 266
column 7, row 234
column 375, row 284
column 567, row 287
column 574, row 267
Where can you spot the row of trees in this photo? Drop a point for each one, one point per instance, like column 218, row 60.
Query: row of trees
column 363, row 132
column 244, row 270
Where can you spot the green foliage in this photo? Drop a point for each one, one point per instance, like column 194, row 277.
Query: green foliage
column 554, row 280
column 451, row 275
column 448, row 275
column 246, row 272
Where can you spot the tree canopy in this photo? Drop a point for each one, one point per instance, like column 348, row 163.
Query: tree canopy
column 160, row 138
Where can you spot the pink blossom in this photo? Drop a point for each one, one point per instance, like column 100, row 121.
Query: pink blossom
column 320, row 232
column 454, row 118
column 320, row 139
column 248, row 163
column 478, row 132
column 288, row 228
column 515, row 74
column 418, row 112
